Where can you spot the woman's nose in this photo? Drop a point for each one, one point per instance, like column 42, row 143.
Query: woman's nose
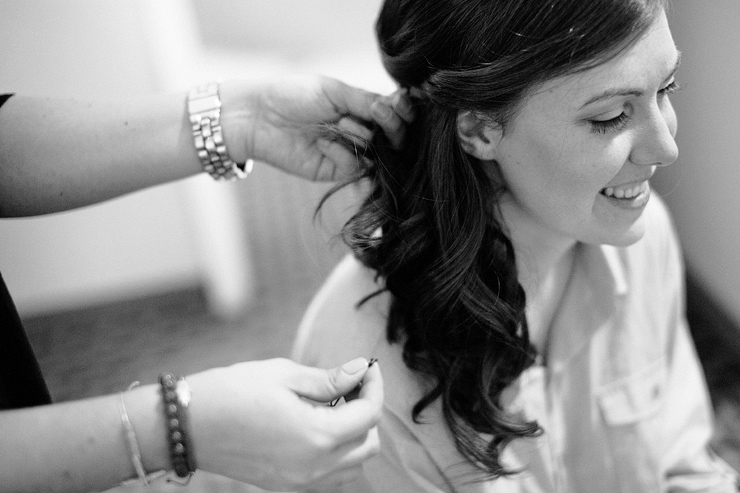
column 656, row 145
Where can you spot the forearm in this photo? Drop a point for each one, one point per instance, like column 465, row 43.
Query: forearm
column 80, row 446
column 57, row 154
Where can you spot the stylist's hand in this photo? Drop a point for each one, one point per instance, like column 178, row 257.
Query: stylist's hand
column 251, row 422
column 279, row 123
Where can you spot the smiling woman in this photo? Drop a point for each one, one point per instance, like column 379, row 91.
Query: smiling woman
column 519, row 283
column 577, row 155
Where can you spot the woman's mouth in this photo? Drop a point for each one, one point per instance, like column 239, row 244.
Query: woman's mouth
column 625, row 191
column 632, row 196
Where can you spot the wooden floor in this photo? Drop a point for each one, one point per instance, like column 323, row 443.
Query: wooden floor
column 91, row 352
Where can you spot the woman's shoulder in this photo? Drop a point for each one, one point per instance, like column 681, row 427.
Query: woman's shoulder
column 345, row 319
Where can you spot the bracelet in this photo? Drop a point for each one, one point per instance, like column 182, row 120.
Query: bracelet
column 176, row 399
column 204, row 108
column 132, row 445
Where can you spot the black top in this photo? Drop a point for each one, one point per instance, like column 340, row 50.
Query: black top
column 21, row 381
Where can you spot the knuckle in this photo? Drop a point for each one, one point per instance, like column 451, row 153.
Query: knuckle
column 393, row 124
column 322, row 441
column 334, row 381
column 372, row 442
column 374, row 446
column 282, row 365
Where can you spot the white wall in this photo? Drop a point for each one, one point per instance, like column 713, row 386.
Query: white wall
column 330, row 37
column 126, row 247
column 293, row 28
column 703, row 187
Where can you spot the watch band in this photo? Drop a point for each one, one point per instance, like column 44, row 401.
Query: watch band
column 204, row 108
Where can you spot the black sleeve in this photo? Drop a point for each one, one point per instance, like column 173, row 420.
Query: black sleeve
column 21, row 381
column 4, row 97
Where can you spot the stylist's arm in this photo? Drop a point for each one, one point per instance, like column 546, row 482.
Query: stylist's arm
column 59, row 153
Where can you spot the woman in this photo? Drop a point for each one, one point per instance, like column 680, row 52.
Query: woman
column 514, row 277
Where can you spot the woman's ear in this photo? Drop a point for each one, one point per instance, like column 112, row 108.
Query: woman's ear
column 478, row 137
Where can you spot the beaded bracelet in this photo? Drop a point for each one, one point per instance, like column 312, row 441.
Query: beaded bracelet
column 176, row 399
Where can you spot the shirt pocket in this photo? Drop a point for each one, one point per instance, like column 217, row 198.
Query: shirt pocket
column 630, row 408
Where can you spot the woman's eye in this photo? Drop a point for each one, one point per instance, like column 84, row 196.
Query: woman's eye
column 620, row 121
column 613, row 124
column 670, row 89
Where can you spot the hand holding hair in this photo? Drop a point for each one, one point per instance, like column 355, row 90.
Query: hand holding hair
column 281, row 123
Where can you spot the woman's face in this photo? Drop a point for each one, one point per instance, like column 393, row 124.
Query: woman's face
column 578, row 153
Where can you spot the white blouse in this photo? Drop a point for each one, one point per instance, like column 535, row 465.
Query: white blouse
column 622, row 400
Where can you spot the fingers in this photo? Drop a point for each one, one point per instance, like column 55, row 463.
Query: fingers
column 347, row 435
column 359, row 134
column 326, row 385
column 348, row 100
column 339, row 162
column 392, row 113
column 402, row 105
column 355, row 418
column 346, row 462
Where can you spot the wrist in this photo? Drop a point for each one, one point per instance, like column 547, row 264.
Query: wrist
column 211, row 146
column 238, row 116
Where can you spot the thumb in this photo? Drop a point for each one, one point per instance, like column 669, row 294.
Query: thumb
column 327, row 385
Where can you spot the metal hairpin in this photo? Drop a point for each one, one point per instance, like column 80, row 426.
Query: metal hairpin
column 354, row 393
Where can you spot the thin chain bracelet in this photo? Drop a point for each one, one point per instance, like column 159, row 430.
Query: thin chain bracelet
column 132, row 445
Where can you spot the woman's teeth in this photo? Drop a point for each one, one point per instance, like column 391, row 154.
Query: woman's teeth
column 625, row 191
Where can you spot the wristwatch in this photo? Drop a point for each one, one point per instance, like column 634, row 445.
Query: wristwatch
column 204, row 108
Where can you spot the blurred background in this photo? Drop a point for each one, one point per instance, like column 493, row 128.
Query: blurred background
column 208, row 274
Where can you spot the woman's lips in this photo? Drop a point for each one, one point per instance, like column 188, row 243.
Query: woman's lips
column 628, row 191
column 628, row 196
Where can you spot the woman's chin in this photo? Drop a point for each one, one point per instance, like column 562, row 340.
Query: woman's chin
column 629, row 236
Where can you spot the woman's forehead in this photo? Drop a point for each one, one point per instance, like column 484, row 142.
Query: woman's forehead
column 639, row 69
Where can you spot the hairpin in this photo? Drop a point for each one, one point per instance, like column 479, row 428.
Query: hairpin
column 354, row 393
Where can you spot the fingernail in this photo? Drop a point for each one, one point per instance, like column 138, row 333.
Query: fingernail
column 380, row 110
column 402, row 104
column 352, row 367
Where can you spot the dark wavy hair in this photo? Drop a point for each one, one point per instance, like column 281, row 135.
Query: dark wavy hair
column 429, row 225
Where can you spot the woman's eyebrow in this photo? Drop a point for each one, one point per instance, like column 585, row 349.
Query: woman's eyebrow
column 610, row 93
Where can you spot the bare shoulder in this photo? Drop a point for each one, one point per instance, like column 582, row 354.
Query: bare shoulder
column 344, row 320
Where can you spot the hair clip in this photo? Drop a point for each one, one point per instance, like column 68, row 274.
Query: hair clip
column 181, row 483
column 354, row 393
